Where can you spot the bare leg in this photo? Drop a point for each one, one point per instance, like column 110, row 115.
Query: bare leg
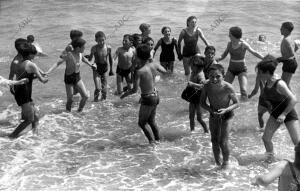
column 192, row 116
column 293, row 128
column 97, row 85
column 83, row 93
column 187, row 67
column 199, row 118
column 243, row 85
column 103, row 78
column 260, row 112
column 69, row 90
column 119, row 84
column 229, row 77
column 286, row 76
column 271, row 127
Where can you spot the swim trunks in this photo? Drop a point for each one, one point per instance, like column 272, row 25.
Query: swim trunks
column 225, row 116
column 237, row 63
column 102, row 68
column 289, row 65
column 122, row 72
column 151, row 99
column 72, row 79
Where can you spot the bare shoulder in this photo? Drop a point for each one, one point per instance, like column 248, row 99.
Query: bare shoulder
column 227, row 86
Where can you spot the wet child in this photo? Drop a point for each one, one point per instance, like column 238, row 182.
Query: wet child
column 196, row 83
column 136, row 39
column 125, row 55
column 146, row 31
column 209, row 59
column 167, row 44
column 102, row 55
column 150, row 42
column 74, row 35
column 237, row 49
column 288, row 49
column 72, row 77
column 30, row 39
column 220, row 94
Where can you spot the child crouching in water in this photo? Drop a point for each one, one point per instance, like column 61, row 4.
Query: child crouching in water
column 219, row 93
column 197, row 80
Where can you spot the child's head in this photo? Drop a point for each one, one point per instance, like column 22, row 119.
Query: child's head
column 143, row 52
column 197, row 63
column 166, row 31
column 150, row 42
column 286, row 28
column 191, row 21
column 75, row 34
column 100, row 38
column 18, row 43
column 267, row 65
column 78, row 45
column 216, row 73
column 127, row 41
column 137, row 39
column 235, row 32
column 145, row 29
column 210, row 52
column 262, row 38
column 27, row 50
column 30, row 38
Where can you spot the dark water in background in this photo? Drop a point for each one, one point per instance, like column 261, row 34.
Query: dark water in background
column 103, row 148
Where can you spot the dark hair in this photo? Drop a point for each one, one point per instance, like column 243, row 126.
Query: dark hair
column 143, row 52
column 164, row 28
column 100, row 34
column 135, row 38
column 236, row 32
column 268, row 64
column 288, row 25
column 27, row 49
column 18, row 42
column 297, row 156
column 207, row 48
column 148, row 39
column 128, row 36
column 218, row 67
column 189, row 19
column 74, row 34
column 143, row 27
column 30, row 38
column 197, row 61
column 78, row 43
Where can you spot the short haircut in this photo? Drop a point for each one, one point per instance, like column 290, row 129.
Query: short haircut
column 100, row 34
column 27, row 49
column 197, row 60
column 189, row 19
column 207, row 48
column 218, row 67
column 148, row 39
column 236, row 32
column 128, row 36
column 288, row 25
column 268, row 64
column 78, row 43
column 18, row 42
column 143, row 52
column 143, row 27
column 30, row 38
column 74, row 34
column 164, row 28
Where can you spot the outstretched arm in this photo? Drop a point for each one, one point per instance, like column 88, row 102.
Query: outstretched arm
column 156, row 47
column 33, row 68
column 111, row 73
column 54, row 66
column 88, row 63
column 224, row 54
column 179, row 44
column 253, row 52
column 256, row 87
column 18, row 82
column 160, row 68
column 202, row 36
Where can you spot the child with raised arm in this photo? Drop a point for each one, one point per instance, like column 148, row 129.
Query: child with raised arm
column 209, row 59
column 102, row 55
column 167, row 44
column 145, row 78
column 190, row 37
column 288, row 49
column 197, row 81
column 26, row 70
column 237, row 49
column 72, row 77
column 125, row 55
column 146, row 31
column 220, row 94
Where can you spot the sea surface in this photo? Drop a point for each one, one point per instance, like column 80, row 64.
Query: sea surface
column 103, row 148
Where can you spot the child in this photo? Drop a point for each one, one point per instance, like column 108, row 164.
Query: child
column 125, row 55
column 146, row 31
column 4, row 83
column 288, row 49
column 150, row 42
column 137, row 39
column 190, row 37
column 219, row 93
column 72, row 77
column 196, row 82
column 167, row 44
column 237, row 66
column 149, row 96
column 209, row 59
column 74, row 35
column 30, row 39
column 26, row 70
column 102, row 54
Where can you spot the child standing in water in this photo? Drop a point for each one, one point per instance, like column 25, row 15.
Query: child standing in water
column 136, row 39
column 196, row 82
column 72, row 78
column 150, row 42
column 146, row 31
column 167, row 56
column 219, row 94
column 209, row 59
column 288, row 49
column 237, row 49
column 125, row 55
column 190, row 37
column 102, row 55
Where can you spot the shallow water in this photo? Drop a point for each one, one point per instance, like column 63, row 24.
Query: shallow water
column 103, row 148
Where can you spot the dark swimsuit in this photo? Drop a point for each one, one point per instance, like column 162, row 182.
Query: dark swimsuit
column 190, row 44
column 289, row 65
column 237, row 54
column 167, row 51
column 102, row 68
column 151, row 99
column 278, row 103
column 122, row 72
column 72, row 79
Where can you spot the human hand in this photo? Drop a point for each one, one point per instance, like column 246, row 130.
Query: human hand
column 94, row 66
column 180, row 57
column 24, row 80
column 87, row 56
column 45, row 80
column 280, row 118
column 221, row 111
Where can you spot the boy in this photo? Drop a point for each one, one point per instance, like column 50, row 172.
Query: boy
column 288, row 49
column 72, row 78
column 146, row 31
column 125, row 55
column 74, row 35
column 219, row 94
column 102, row 54
column 144, row 78
column 209, row 59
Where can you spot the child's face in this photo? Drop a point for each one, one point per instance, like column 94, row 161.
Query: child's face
column 150, row 44
column 167, row 32
column 231, row 37
column 138, row 40
column 192, row 23
column 215, row 77
column 147, row 31
column 210, row 54
column 100, row 41
column 284, row 31
column 126, row 43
